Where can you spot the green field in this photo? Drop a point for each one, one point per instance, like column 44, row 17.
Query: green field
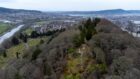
column 28, row 31
column 41, row 22
column 4, row 27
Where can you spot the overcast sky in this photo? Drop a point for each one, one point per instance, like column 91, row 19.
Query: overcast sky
column 71, row 5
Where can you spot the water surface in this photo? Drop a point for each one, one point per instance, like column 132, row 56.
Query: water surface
column 10, row 33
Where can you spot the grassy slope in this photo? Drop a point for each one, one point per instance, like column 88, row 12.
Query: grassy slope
column 75, row 67
column 11, row 52
column 28, row 31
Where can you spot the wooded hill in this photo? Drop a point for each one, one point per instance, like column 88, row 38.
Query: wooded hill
column 96, row 49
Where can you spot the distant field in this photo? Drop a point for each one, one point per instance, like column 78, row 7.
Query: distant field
column 4, row 27
column 28, row 31
column 41, row 22
column 47, row 22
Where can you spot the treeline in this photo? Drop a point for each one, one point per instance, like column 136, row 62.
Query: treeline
column 34, row 34
column 23, row 37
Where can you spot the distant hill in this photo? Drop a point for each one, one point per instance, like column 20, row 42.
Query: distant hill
column 7, row 10
column 112, row 11
column 104, row 12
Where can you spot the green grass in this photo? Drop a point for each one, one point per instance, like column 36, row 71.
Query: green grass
column 72, row 76
column 11, row 52
column 28, row 31
column 4, row 27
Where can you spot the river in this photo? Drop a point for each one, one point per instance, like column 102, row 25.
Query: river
column 10, row 33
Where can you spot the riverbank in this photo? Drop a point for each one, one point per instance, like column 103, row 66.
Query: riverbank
column 10, row 33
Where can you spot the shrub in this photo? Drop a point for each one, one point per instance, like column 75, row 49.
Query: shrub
column 102, row 68
column 4, row 54
column 71, row 50
column 17, row 76
column 72, row 76
column 78, row 41
column 36, row 53
column 15, row 41
column 17, row 54
column 41, row 41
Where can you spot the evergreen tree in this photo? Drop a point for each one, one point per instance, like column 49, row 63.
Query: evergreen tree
column 87, row 30
column 4, row 54
column 34, row 34
column 15, row 41
column 17, row 54
column 21, row 36
column 25, row 39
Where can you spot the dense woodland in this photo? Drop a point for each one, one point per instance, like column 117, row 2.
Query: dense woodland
column 95, row 49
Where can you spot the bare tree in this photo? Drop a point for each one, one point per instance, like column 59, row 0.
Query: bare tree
column 130, row 27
